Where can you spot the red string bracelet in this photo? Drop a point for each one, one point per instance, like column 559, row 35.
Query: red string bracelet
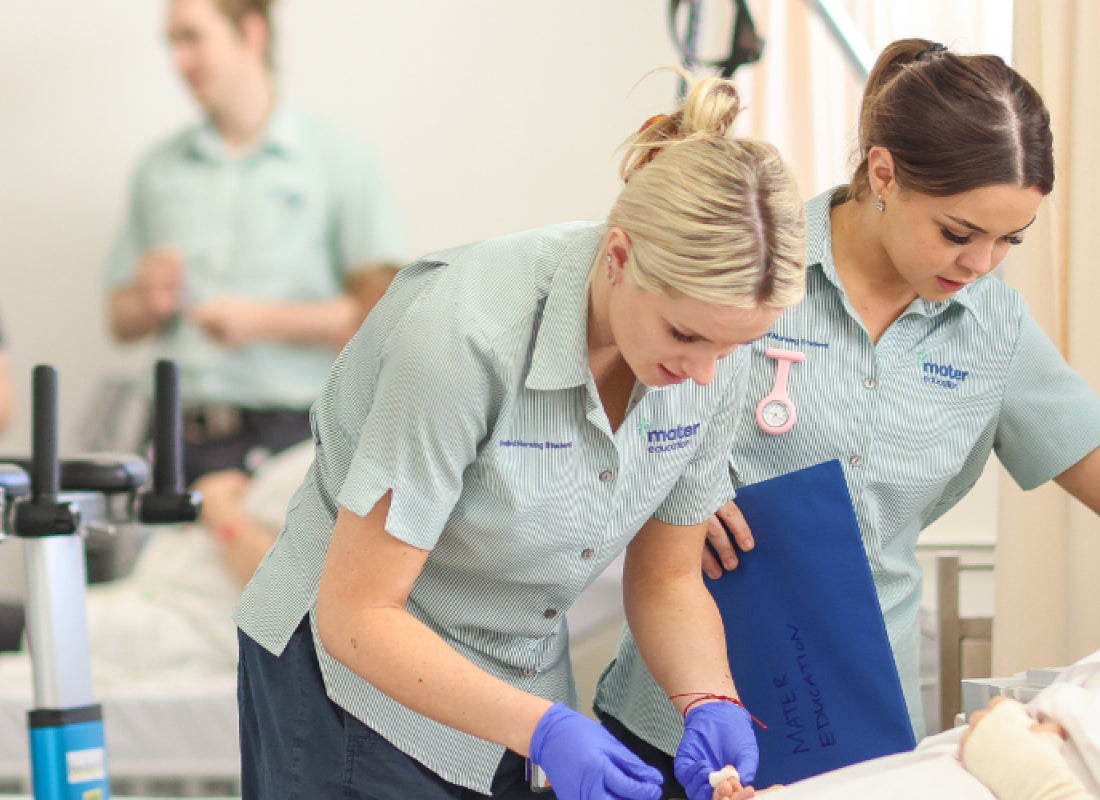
column 701, row 696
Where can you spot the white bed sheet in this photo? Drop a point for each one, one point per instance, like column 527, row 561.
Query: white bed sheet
column 933, row 769
column 155, row 729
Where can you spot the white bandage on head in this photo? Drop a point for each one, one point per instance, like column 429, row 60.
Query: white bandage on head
column 1017, row 763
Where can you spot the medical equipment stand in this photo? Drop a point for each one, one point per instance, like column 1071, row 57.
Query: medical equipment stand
column 68, row 750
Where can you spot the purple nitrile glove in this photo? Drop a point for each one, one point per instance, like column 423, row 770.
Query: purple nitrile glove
column 583, row 761
column 715, row 734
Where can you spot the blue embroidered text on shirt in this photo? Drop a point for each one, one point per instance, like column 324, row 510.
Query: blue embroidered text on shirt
column 547, row 445
column 661, row 440
column 797, row 342
column 946, row 375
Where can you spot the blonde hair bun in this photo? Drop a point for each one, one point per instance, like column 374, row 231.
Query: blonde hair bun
column 708, row 110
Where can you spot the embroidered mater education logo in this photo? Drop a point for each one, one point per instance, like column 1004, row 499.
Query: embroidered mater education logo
column 946, row 376
column 661, row 440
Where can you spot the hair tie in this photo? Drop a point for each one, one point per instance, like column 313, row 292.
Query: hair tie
column 654, row 148
column 934, row 50
column 652, row 120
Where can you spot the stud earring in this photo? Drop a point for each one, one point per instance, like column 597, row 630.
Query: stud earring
column 880, row 204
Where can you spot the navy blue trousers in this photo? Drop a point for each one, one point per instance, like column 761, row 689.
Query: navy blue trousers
column 296, row 744
column 651, row 755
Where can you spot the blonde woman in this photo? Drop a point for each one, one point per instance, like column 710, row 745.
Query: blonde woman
column 511, row 416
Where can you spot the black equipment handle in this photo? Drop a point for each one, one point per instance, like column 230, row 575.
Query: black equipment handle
column 43, row 515
column 168, row 501
column 167, row 429
column 45, row 465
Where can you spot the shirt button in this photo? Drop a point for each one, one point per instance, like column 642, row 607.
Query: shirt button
column 587, row 553
column 869, row 383
column 856, row 461
column 528, row 672
column 605, row 476
column 550, row 613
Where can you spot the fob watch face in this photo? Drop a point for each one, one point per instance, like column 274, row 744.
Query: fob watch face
column 775, row 413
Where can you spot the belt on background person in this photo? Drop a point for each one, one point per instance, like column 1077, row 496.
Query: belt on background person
column 209, row 422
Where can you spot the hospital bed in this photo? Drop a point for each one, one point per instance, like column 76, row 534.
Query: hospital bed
column 174, row 733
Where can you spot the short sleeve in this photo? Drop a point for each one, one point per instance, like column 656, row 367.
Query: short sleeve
column 436, row 392
column 706, row 484
column 368, row 225
column 1050, row 416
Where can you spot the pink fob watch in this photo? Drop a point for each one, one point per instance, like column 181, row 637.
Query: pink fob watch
column 775, row 414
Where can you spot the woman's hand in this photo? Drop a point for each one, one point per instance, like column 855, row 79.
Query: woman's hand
column 724, row 530
column 585, row 762
column 716, row 734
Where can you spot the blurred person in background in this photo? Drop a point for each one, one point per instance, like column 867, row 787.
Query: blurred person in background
column 254, row 244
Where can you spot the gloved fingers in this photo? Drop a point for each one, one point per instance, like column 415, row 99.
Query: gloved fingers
column 583, row 760
column 716, row 734
column 694, row 776
column 623, row 786
column 743, row 755
column 747, row 763
column 631, row 765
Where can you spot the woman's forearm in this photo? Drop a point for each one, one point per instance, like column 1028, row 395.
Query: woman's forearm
column 364, row 623
column 675, row 622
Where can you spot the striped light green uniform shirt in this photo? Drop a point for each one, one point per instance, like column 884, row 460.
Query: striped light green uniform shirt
column 468, row 393
column 912, row 418
column 287, row 221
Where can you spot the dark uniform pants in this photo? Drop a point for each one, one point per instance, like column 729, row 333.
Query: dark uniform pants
column 296, row 744
column 651, row 755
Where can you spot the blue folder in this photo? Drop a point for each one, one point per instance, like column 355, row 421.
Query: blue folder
column 806, row 639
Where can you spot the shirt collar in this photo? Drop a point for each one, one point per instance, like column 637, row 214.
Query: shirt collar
column 281, row 135
column 560, row 356
column 819, row 250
